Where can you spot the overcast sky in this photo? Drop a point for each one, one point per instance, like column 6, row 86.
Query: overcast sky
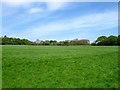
column 59, row 20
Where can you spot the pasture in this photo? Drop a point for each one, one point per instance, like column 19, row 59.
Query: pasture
column 0, row 66
column 59, row 66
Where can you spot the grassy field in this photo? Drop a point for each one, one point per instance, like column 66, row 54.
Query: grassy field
column 0, row 67
column 59, row 67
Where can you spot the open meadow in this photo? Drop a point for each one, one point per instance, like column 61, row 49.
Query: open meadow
column 59, row 66
column 0, row 66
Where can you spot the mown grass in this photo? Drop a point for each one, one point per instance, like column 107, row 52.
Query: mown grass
column 59, row 67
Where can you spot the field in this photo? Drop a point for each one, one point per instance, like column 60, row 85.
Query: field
column 59, row 67
column 0, row 66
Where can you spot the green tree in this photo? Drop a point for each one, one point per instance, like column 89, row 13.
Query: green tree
column 46, row 42
column 112, row 40
column 84, row 42
column 15, row 41
column 102, row 40
column 66, row 42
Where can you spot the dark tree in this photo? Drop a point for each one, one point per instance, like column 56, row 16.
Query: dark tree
column 107, row 41
column 112, row 40
column 15, row 41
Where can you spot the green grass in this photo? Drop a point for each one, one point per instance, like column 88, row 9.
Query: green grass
column 59, row 67
column 0, row 67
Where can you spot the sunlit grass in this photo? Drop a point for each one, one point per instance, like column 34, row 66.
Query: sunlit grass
column 60, row 67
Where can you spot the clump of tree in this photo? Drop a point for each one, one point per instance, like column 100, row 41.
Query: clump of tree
column 107, row 41
column 80, row 42
column 14, row 41
column 46, row 42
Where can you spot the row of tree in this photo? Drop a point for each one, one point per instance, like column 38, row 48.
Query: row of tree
column 101, row 41
column 107, row 41
column 17, row 41
column 62, row 43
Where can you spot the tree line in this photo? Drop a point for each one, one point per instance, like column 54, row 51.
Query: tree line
column 17, row 41
column 63, row 43
column 100, row 41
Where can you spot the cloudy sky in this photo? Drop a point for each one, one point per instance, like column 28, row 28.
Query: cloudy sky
column 59, row 20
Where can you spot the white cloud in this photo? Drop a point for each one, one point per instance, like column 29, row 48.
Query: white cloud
column 35, row 10
column 93, row 22
column 30, row 9
column 48, row 6
column 51, row 6
column 96, row 21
